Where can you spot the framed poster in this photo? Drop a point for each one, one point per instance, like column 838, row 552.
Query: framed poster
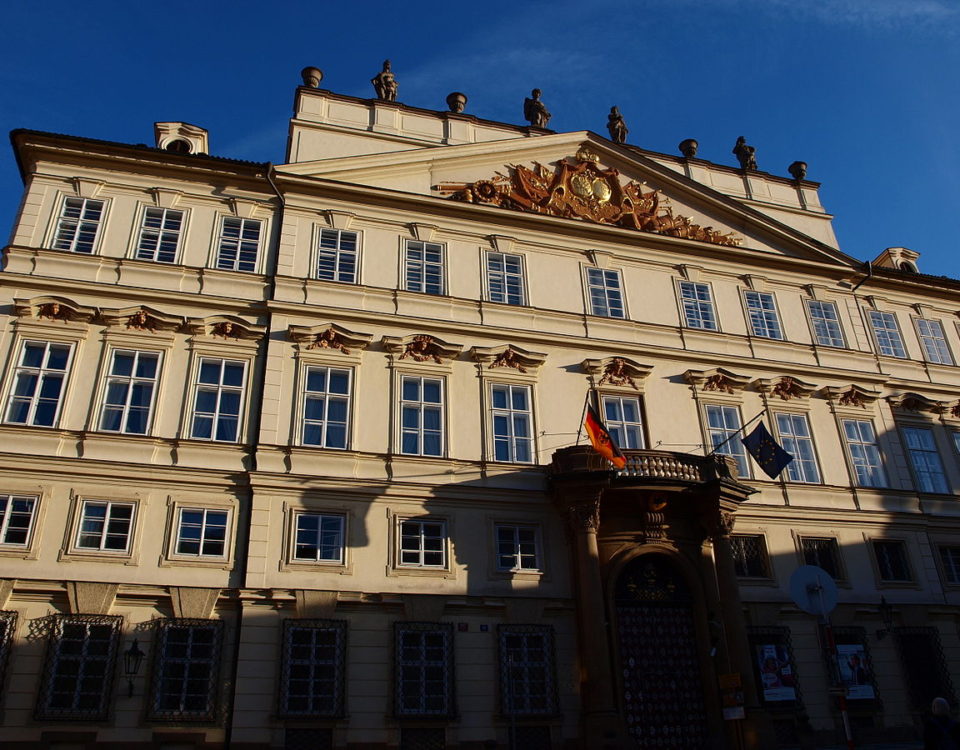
column 777, row 679
column 854, row 671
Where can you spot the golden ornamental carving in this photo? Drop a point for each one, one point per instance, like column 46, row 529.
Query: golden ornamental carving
column 579, row 188
column 141, row 320
column 853, row 397
column 422, row 349
column 786, row 389
column 225, row 330
column 55, row 311
column 719, row 383
column 328, row 339
column 507, row 358
column 615, row 373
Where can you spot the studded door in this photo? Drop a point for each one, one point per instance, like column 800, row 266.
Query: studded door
column 660, row 673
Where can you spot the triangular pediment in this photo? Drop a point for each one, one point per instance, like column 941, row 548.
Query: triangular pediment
column 582, row 177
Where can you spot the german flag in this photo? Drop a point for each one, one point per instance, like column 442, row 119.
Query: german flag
column 601, row 440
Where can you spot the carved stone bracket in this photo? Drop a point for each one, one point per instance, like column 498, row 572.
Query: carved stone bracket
column 617, row 371
column 422, row 348
column 719, row 522
column 141, row 318
column 717, row 380
column 584, row 515
column 915, row 402
column 507, row 356
column 329, row 336
column 227, row 327
column 54, row 309
column 850, row 396
column 785, row 388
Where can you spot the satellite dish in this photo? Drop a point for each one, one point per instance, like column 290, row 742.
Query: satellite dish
column 813, row 590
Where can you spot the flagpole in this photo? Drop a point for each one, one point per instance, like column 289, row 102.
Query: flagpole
column 762, row 412
column 583, row 414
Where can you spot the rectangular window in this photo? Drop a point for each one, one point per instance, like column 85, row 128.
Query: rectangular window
column 824, row 553
column 78, row 225
column 762, row 311
column 424, row 669
column 423, row 543
column 105, row 526
column 950, row 560
column 186, row 661
column 512, row 423
column 527, row 670
column 78, row 676
column 16, row 519
column 202, row 532
column 892, row 563
column 159, row 235
column 925, row 459
column 319, row 538
column 423, row 267
column 505, row 278
column 886, row 333
column 934, row 341
column 864, row 453
column 604, row 290
column 795, row 438
column 623, row 416
column 218, row 400
column 312, row 676
column 826, row 323
column 518, row 547
column 723, row 423
column 239, row 244
column 326, row 407
column 337, row 256
column 38, row 384
column 750, row 555
column 421, row 416
column 924, row 666
column 697, row 303
column 128, row 397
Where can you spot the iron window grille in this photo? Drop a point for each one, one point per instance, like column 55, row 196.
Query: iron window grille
column 239, row 244
column 78, row 225
column 326, row 407
column 886, row 332
column 826, row 323
column 8, row 627
column 528, row 684
column 697, row 304
column 38, row 380
column 423, row 543
column 185, row 669
column 794, row 430
column 893, row 564
column 421, row 416
column 424, row 669
column 313, row 668
column 512, row 423
column 319, row 538
column 505, row 278
column 517, row 547
column 337, row 255
column 750, row 558
column 924, row 666
column 16, row 519
column 218, row 400
column 105, row 526
column 950, row 561
column 424, row 267
column 128, row 396
column 934, row 341
column 604, row 288
column 624, row 418
column 762, row 312
column 854, row 664
column 79, row 668
column 864, row 453
column 159, row 235
column 723, row 424
column 925, row 459
column 202, row 532
column 423, row 738
column 823, row 552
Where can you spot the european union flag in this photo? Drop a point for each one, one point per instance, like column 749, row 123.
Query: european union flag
column 766, row 451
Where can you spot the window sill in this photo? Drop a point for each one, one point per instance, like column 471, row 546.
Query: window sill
column 195, row 562
column 423, row 572
column 114, row 558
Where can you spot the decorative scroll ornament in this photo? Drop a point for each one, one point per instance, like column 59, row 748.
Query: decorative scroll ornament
column 615, row 373
column 422, row 349
column 785, row 387
column 54, row 311
column 59, row 309
column 915, row 402
column 955, row 410
column 329, row 336
column 225, row 330
column 716, row 380
column 852, row 396
column 508, row 358
column 328, row 339
column 720, row 383
column 226, row 327
column 141, row 320
column 580, row 189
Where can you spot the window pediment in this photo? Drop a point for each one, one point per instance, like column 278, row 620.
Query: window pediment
column 508, row 357
column 54, row 309
column 619, row 372
column 717, row 380
column 785, row 387
column 226, row 327
column 914, row 402
column 421, row 348
column 141, row 318
column 852, row 396
column 329, row 336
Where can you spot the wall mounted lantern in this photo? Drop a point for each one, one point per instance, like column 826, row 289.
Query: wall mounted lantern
column 886, row 617
column 132, row 659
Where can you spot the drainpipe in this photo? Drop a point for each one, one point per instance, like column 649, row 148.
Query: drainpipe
column 866, row 278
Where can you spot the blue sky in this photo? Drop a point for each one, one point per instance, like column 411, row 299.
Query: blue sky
column 867, row 92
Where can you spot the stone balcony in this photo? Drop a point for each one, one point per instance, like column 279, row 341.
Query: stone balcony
column 643, row 467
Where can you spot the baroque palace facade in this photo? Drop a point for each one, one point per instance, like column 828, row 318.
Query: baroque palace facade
column 290, row 459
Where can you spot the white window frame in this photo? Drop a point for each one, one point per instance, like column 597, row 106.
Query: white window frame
column 104, row 532
column 338, row 519
column 339, row 256
column 505, row 286
column 705, row 318
column 220, row 389
column 414, row 529
column 724, row 436
column 8, row 511
column 131, row 381
column 933, row 341
column 822, row 324
column 805, row 470
column 605, row 293
column 864, row 452
column 40, row 373
column 888, row 339
column 518, row 553
column 238, row 246
column 928, row 474
column 155, row 237
column 326, row 396
column 421, row 406
column 74, row 225
column 619, row 426
column 762, row 314
column 412, row 264
column 203, row 539
column 510, row 418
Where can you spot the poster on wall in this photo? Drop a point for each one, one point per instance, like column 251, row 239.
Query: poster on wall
column 776, row 675
column 854, row 674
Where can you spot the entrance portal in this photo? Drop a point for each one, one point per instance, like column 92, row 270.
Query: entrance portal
column 662, row 687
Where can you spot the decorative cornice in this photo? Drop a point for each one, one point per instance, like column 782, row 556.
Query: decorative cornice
column 717, row 380
column 329, row 336
column 421, row 348
column 915, row 402
column 508, row 356
column 227, row 327
column 785, row 387
column 141, row 318
column 54, row 309
column 852, row 395
column 617, row 371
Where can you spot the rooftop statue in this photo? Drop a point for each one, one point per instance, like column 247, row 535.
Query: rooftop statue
column 534, row 110
column 616, row 126
column 385, row 83
column 745, row 154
